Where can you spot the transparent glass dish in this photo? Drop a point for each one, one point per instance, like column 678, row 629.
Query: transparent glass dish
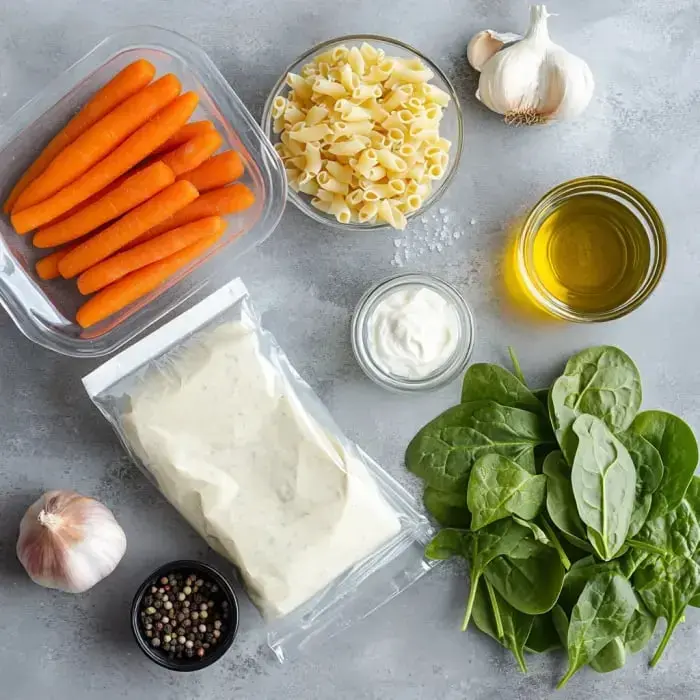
column 624, row 195
column 45, row 310
column 451, row 126
column 360, row 331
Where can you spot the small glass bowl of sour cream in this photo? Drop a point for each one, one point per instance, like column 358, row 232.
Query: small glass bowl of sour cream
column 412, row 332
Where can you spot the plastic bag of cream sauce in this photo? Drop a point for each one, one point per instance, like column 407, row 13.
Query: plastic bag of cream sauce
column 210, row 408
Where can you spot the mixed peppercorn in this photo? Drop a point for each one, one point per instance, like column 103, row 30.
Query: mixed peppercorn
column 184, row 616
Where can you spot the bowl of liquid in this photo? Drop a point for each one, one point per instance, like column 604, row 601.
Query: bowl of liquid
column 592, row 249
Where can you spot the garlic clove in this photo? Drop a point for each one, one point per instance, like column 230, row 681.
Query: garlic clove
column 485, row 44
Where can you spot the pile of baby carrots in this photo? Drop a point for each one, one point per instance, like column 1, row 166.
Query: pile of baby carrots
column 128, row 192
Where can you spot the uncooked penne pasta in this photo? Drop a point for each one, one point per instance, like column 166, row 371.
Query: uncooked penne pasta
column 359, row 133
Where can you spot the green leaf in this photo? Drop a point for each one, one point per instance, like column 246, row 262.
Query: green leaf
column 666, row 585
column 448, row 508
column 561, row 504
column 560, row 620
column 610, row 658
column 650, row 470
column 542, row 395
column 487, row 382
column 545, row 535
column 600, row 381
column 629, row 562
column 678, row 449
column 449, row 543
column 444, row 451
column 543, row 635
column 499, row 488
column 580, row 573
column 677, row 532
column 604, row 482
column 602, row 613
column 492, row 541
column 530, row 583
column 489, row 606
column 517, row 369
column 640, row 629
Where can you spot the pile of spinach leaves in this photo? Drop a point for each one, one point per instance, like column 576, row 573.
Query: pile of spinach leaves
column 578, row 514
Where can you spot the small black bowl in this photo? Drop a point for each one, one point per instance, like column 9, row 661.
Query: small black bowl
column 225, row 593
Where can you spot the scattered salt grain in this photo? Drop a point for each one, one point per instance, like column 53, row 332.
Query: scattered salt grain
column 472, row 222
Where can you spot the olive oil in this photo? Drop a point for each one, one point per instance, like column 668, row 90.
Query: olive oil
column 591, row 253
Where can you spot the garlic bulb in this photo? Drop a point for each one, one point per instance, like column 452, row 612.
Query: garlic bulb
column 69, row 542
column 533, row 80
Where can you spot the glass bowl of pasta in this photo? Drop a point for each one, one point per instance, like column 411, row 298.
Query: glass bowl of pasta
column 369, row 131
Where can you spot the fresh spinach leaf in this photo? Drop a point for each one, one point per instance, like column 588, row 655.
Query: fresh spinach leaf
column 630, row 561
column 543, row 635
column 487, row 382
column 650, row 471
column 580, row 573
column 449, row 542
column 560, row 620
column 545, row 535
column 542, row 395
column 640, row 629
column 530, row 582
column 604, row 482
column 610, row 658
column 492, row 611
column 600, row 381
column 676, row 444
column 444, row 451
column 677, row 532
column 666, row 585
column 602, row 613
column 448, row 508
column 499, row 488
column 561, row 504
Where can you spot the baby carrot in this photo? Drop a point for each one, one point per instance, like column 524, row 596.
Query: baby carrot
column 163, row 246
column 139, row 145
column 192, row 153
column 122, row 86
column 215, row 172
column 139, row 283
column 133, row 191
column 130, row 226
column 188, row 132
column 225, row 200
column 47, row 267
column 99, row 140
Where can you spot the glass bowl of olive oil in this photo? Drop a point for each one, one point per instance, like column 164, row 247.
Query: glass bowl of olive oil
column 592, row 249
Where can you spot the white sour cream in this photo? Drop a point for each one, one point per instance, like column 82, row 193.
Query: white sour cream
column 412, row 332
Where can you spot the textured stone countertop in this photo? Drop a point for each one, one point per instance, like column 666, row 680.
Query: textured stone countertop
column 643, row 126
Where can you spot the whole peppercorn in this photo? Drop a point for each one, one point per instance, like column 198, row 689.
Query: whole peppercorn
column 200, row 652
column 168, row 605
column 165, row 619
column 216, row 633
column 194, row 615
column 204, row 615
column 150, row 610
column 189, row 644
column 202, row 628
column 155, row 642
column 187, row 590
column 217, row 625
column 164, row 580
column 181, row 596
column 181, row 639
column 167, row 629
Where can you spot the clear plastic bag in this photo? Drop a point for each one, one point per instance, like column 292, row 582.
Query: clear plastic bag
column 212, row 411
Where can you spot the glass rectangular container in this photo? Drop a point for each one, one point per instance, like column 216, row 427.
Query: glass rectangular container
column 45, row 310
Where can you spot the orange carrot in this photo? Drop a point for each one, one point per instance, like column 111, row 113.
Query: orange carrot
column 47, row 267
column 139, row 145
column 226, row 200
column 216, row 171
column 124, row 84
column 163, row 246
column 139, row 283
column 130, row 226
column 187, row 133
column 133, row 191
column 192, row 153
column 99, row 140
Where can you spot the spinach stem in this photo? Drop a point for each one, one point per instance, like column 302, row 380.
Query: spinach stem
column 646, row 547
column 517, row 369
column 470, row 602
column 566, row 678
column 662, row 647
column 566, row 562
column 518, row 654
column 496, row 610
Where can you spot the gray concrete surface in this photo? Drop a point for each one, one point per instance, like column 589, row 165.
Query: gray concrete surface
column 642, row 126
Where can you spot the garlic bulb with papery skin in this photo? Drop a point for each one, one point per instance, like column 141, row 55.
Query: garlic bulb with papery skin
column 534, row 80
column 69, row 542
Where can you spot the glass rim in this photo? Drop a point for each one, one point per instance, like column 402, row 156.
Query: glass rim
column 620, row 191
column 443, row 375
column 305, row 207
